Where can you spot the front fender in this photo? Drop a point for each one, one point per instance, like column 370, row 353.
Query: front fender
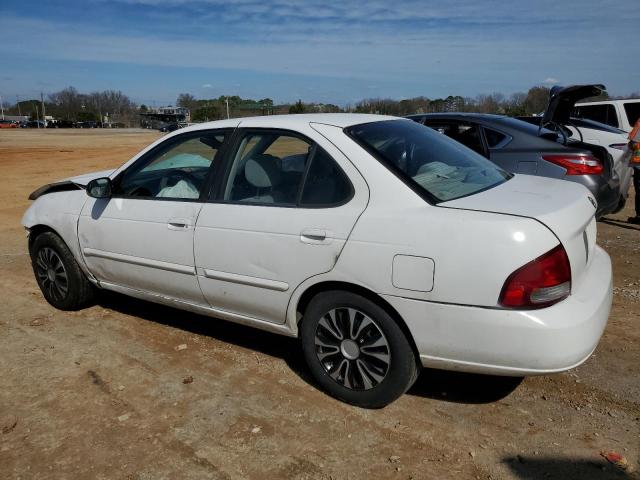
column 59, row 212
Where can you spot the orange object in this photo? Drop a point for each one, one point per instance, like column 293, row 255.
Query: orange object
column 635, row 157
column 634, row 135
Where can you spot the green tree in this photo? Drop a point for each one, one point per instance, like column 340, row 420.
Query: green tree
column 298, row 107
column 537, row 100
column 187, row 100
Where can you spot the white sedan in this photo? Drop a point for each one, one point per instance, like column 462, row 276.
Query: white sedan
column 383, row 245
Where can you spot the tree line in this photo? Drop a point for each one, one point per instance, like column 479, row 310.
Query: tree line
column 69, row 104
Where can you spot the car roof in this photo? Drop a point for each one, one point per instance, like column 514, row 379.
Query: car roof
column 456, row 115
column 292, row 121
column 609, row 102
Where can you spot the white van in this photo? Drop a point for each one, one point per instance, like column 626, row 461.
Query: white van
column 622, row 114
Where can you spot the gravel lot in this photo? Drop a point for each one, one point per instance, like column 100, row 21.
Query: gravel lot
column 106, row 393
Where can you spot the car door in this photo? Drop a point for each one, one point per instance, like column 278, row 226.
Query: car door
column 142, row 237
column 282, row 215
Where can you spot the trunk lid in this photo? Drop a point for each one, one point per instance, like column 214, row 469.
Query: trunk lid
column 566, row 208
column 562, row 100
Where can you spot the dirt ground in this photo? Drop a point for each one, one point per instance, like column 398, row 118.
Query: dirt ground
column 104, row 393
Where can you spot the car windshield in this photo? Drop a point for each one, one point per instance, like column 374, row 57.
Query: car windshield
column 436, row 167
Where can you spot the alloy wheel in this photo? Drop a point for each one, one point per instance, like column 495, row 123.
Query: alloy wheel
column 352, row 348
column 52, row 273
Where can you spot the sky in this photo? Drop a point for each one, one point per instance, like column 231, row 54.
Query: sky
column 318, row 51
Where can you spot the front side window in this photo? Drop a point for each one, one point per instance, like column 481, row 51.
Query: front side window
column 465, row 133
column 436, row 167
column 175, row 170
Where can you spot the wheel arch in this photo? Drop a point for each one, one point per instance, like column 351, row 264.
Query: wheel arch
column 328, row 285
column 36, row 230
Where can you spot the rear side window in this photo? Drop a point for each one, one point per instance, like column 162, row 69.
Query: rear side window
column 325, row 183
column 494, row 138
column 434, row 166
column 268, row 168
column 605, row 113
column 277, row 168
column 632, row 109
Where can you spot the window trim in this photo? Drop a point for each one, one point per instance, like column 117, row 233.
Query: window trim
column 166, row 145
column 217, row 193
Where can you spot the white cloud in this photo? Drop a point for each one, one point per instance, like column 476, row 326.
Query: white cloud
column 207, row 85
column 550, row 81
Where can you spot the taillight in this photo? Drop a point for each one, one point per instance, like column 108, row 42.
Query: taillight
column 540, row 283
column 619, row 146
column 576, row 164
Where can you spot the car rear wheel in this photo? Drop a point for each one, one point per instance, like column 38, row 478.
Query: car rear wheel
column 59, row 276
column 356, row 350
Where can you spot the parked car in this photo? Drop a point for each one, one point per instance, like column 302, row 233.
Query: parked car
column 87, row 124
column 169, row 127
column 8, row 124
column 380, row 243
column 62, row 124
column 520, row 147
column 613, row 139
column 622, row 114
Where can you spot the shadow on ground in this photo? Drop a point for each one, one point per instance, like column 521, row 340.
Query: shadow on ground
column 621, row 224
column 535, row 468
column 442, row 385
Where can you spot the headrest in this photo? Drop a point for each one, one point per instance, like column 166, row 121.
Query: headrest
column 262, row 171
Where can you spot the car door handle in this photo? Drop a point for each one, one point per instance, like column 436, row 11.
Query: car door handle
column 179, row 224
column 313, row 235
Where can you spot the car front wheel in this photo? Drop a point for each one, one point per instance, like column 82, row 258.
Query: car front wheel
column 59, row 276
column 356, row 350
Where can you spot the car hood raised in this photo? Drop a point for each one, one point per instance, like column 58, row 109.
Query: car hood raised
column 562, row 100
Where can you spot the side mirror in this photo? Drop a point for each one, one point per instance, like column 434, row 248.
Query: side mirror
column 99, row 188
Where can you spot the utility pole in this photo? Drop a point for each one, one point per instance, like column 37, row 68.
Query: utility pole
column 37, row 116
column 227, row 101
column 18, row 104
column 43, row 111
column 2, row 107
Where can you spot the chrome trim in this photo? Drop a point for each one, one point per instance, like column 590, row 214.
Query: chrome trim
column 143, row 262
column 246, row 280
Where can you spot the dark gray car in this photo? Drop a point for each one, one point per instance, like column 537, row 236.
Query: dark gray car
column 520, row 147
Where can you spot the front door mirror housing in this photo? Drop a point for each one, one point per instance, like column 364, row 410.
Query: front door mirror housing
column 99, row 188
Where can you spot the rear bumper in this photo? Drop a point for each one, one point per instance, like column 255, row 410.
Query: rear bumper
column 509, row 342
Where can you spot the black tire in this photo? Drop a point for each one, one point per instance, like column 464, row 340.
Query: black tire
column 621, row 203
column 358, row 378
column 49, row 253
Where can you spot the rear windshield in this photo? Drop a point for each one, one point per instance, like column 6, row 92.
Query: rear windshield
column 436, row 167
